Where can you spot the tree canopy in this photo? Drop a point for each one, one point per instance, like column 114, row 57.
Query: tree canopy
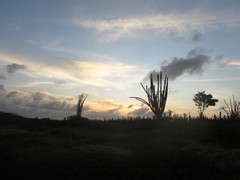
column 203, row 101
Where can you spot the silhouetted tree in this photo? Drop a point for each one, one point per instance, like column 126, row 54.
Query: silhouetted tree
column 233, row 108
column 203, row 101
column 81, row 100
column 157, row 96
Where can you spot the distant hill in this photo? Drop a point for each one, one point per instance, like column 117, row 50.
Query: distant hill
column 7, row 115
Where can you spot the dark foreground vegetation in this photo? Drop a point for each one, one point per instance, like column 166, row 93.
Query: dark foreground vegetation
column 144, row 149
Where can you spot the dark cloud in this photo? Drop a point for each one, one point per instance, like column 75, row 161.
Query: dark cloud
column 175, row 37
column 222, row 62
column 143, row 111
column 50, row 102
column 14, row 98
column 192, row 64
column 38, row 104
column 154, row 72
column 108, row 114
column 44, row 105
column 2, row 88
column 38, row 96
column 130, row 106
column 12, row 94
column 55, row 106
column 12, row 68
column 196, row 36
column 59, row 82
column 219, row 57
column 2, row 77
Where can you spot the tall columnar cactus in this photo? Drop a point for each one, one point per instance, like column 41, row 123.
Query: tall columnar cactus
column 81, row 100
column 157, row 97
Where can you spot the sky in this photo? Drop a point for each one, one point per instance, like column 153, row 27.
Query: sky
column 51, row 51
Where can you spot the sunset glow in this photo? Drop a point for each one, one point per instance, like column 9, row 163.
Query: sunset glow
column 53, row 51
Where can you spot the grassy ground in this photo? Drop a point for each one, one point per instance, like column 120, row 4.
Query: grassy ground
column 48, row 149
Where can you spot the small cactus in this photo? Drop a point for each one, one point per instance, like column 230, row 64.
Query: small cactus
column 81, row 100
column 233, row 108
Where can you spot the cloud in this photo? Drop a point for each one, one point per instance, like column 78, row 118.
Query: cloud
column 130, row 106
column 36, row 83
column 74, row 72
column 104, row 109
column 221, row 61
column 59, row 82
column 235, row 63
column 55, row 46
column 2, row 88
column 196, row 36
column 142, row 111
column 212, row 80
column 192, row 64
column 12, row 94
column 32, row 104
column 48, row 101
column 109, row 74
column 180, row 23
column 12, row 68
column 2, row 76
column 44, row 105
column 101, row 115
column 39, row 96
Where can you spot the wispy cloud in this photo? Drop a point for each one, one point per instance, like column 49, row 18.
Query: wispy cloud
column 57, row 46
column 36, row 83
column 235, row 63
column 212, row 80
column 52, row 45
column 111, row 74
column 184, row 22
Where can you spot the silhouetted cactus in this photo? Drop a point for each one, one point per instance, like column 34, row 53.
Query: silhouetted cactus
column 157, row 98
column 233, row 109
column 81, row 101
